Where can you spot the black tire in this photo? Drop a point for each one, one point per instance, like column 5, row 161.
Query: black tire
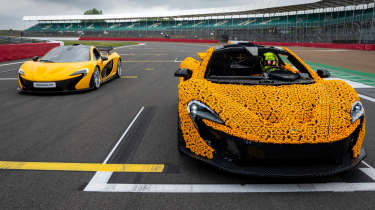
column 20, row 91
column 180, row 140
column 94, row 83
column 119, row 69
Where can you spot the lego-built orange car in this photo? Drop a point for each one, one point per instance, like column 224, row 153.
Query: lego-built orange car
column 262, row 111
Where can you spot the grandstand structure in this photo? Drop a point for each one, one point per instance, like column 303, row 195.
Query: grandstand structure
column 332, row 21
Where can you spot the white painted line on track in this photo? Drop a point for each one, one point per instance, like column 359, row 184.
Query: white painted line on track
column 370, row 171
column 355, row 85
column 177, row 61
column 100, row 177
column 123, row 135
column 139, row 44
column 8, row 70
column 366, row 98
column 8, row 64
column 8, row 79
column 233, row 188
column 103, row 177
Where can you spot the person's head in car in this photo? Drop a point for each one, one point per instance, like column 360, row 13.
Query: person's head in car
column 269, row 62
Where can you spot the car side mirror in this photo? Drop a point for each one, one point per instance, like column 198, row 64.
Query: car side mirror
column 104, row 58
column 323, row 73
column 35, row 58
column 201, row 55
column 184, row 73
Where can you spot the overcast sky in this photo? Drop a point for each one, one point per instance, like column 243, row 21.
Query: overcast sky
column 11, row 12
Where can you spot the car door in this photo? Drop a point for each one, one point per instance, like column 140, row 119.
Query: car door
column 105, row 66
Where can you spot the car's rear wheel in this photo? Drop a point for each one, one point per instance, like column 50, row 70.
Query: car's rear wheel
column 95, row 79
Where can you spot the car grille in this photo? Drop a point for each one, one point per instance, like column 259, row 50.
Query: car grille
column 62, row 85
column 245, row 152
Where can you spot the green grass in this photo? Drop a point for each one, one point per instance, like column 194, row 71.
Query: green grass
column 100, row 43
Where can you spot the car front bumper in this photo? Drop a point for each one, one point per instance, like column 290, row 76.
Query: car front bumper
column 245, row 157
column 68, row 85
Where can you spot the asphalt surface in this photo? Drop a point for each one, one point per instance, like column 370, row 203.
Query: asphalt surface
column 84, row 127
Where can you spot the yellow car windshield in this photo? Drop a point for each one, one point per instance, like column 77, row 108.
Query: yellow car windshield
column 67, row 54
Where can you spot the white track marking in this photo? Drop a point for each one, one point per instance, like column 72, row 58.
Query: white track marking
column 123, row 135
column 366, row 164
column 139, row 44
column 370, row 171
column 7, row 64
column 8, row 70
column 100, row 177
column 366, row 98
column 232, row 188
column 8, row 79
column 177, row 61
column 351, row 83
column 103, row 177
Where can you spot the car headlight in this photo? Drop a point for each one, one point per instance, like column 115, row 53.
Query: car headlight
column 82, row 71
column 20, row 71
column 357, row 111
column 198, row 110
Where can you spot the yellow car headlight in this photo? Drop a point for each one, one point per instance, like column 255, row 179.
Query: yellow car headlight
column 21, row 71
column 199, row 110
column 82, row 71
column 357, row 111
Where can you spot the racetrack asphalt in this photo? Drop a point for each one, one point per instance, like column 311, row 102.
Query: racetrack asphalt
column 84, row 128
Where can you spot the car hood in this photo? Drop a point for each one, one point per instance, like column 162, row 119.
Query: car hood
column 277, row 114
column 40, row 71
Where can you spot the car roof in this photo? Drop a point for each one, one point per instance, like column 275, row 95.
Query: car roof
column 251, row 48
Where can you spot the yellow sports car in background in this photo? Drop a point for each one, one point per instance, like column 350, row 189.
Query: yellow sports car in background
column 262, row 111
column 69, row 68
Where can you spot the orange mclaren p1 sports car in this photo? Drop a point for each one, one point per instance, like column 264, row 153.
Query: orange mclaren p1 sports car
column 262, row 111
column 69, row 68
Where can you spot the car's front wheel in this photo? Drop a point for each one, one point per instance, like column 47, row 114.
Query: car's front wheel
column 119, row 69
column 95, row 79
column 180, row 140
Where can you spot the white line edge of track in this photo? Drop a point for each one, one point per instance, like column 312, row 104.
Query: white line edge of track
column 101, row 185
column 232, row 188
column 8, row 64
column 139, row 44
column 8, row 79
column 103, row 177
column 99, row 182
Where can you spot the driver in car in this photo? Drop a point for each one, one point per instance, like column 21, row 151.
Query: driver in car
column 270, row 62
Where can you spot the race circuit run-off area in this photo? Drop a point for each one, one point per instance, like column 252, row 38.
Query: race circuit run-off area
column 122, row 137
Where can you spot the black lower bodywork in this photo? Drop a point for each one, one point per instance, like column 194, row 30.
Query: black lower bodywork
column 245, row 157
column 61, row 86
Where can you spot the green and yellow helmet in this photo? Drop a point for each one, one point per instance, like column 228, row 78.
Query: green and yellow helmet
column 269, row 62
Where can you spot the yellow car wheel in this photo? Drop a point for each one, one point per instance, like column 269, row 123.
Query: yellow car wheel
column 95, row 79
column 119, row 69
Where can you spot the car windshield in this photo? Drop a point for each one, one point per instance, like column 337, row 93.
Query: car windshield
column 256, row 65
column 66, row 54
